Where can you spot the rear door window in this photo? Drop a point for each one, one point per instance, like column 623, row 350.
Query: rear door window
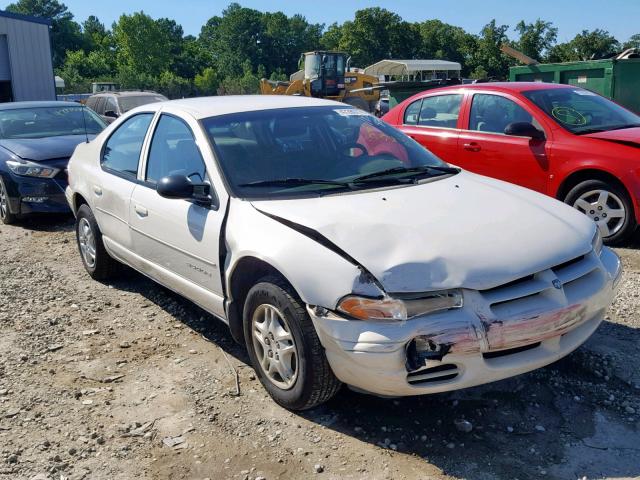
column 440, row 111
column 121, row 153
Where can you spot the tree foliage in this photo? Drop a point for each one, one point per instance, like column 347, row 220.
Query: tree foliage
column 586, row 45
column 236, row 49
column 536, row 39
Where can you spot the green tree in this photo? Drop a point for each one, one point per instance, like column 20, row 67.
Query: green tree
column 173, row 86
column 536, row 39
column 193, row 58
column 234, row 38
column 65, row 32
column 207, row 82
column 443, row 41
column 331, row 37
column 585, row 46
column 487, row 57
column 633, row 42
column 376, row 34
column 143, row 45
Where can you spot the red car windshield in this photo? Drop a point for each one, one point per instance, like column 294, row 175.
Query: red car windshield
column 581, row 111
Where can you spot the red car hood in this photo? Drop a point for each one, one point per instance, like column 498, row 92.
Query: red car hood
column 627, row 136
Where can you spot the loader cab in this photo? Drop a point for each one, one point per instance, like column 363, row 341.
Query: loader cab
column 324, row 72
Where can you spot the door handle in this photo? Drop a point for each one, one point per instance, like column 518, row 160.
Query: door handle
column 141, row 211
column 472, row 147
column 97, row 190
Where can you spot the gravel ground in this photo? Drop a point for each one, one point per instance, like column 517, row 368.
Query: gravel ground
column 128, row 380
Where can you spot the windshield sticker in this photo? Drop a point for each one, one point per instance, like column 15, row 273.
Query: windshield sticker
column 569, row 116
column 349, row 112
column 586, row 93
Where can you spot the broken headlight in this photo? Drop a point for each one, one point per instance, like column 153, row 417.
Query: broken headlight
column 402, row 307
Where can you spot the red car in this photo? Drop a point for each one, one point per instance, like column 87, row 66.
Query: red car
column 560, row 140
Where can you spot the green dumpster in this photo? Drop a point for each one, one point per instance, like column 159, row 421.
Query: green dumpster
column 618, row 80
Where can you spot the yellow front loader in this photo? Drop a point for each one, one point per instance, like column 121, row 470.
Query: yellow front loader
column 325, row 74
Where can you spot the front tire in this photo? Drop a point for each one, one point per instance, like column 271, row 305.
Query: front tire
column 6, row 216
column 283, row 346
column 608, row 205
column 97, row 262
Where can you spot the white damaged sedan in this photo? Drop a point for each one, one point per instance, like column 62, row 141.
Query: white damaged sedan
column 336, row 248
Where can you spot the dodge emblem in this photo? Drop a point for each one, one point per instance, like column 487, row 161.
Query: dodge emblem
column 557, row 284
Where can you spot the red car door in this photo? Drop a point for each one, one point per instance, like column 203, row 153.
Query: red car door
column 484, row 148
column 433, row 122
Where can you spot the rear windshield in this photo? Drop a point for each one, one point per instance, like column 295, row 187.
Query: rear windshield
column 43, row 122
column 581, row 111
column 330, row 144
column 130, row 102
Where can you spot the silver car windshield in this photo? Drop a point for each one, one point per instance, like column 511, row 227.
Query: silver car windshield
column 315, row 150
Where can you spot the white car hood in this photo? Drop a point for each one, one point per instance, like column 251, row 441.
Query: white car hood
column 463, row 231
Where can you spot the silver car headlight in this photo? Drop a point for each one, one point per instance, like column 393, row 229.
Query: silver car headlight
column 397, row 309
column 596, row 242
column 26, row 168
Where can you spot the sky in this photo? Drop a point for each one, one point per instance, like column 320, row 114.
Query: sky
column 619, row 17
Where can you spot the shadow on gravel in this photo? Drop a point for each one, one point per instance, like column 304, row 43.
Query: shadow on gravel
column 47, row 223
column 539, row 425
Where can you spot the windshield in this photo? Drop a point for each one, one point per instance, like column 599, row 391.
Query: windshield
column 334, row 65
column 316, row 150
column 581, row 111
column 41, row 122
column 130, row 102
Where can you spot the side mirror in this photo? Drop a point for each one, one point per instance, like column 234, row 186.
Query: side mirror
column 524, row 129
column 110, row 113
column 179, row 187
column 175, row 186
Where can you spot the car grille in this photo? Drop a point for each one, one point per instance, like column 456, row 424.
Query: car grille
column 525, row 293
column 538, row 306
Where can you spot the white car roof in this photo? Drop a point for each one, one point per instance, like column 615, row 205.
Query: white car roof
column 203, row 107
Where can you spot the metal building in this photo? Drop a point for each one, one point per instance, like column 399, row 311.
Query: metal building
column 26, row 68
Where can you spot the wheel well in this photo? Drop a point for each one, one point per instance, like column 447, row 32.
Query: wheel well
column 245, row 275
column 592, row 174
column 78, row 201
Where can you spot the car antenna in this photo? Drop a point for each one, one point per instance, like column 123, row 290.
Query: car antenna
column 84, row 121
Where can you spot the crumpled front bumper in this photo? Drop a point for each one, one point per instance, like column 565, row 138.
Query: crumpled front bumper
column 37, row 195
column 483, row 341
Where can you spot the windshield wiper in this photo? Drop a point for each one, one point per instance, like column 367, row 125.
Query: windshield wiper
column 402, row 170
column 294, row 182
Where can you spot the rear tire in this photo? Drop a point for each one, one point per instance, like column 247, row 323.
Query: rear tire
column 97, row 262
column 609, row 205
column 6, row 216
column 306, row 382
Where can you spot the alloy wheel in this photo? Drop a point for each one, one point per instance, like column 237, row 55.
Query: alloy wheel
column 4, row 201
column 605, row 208
column 87, row 242
column 274, row 346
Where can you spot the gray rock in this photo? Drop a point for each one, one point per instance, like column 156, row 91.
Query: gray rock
column 463, row 425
